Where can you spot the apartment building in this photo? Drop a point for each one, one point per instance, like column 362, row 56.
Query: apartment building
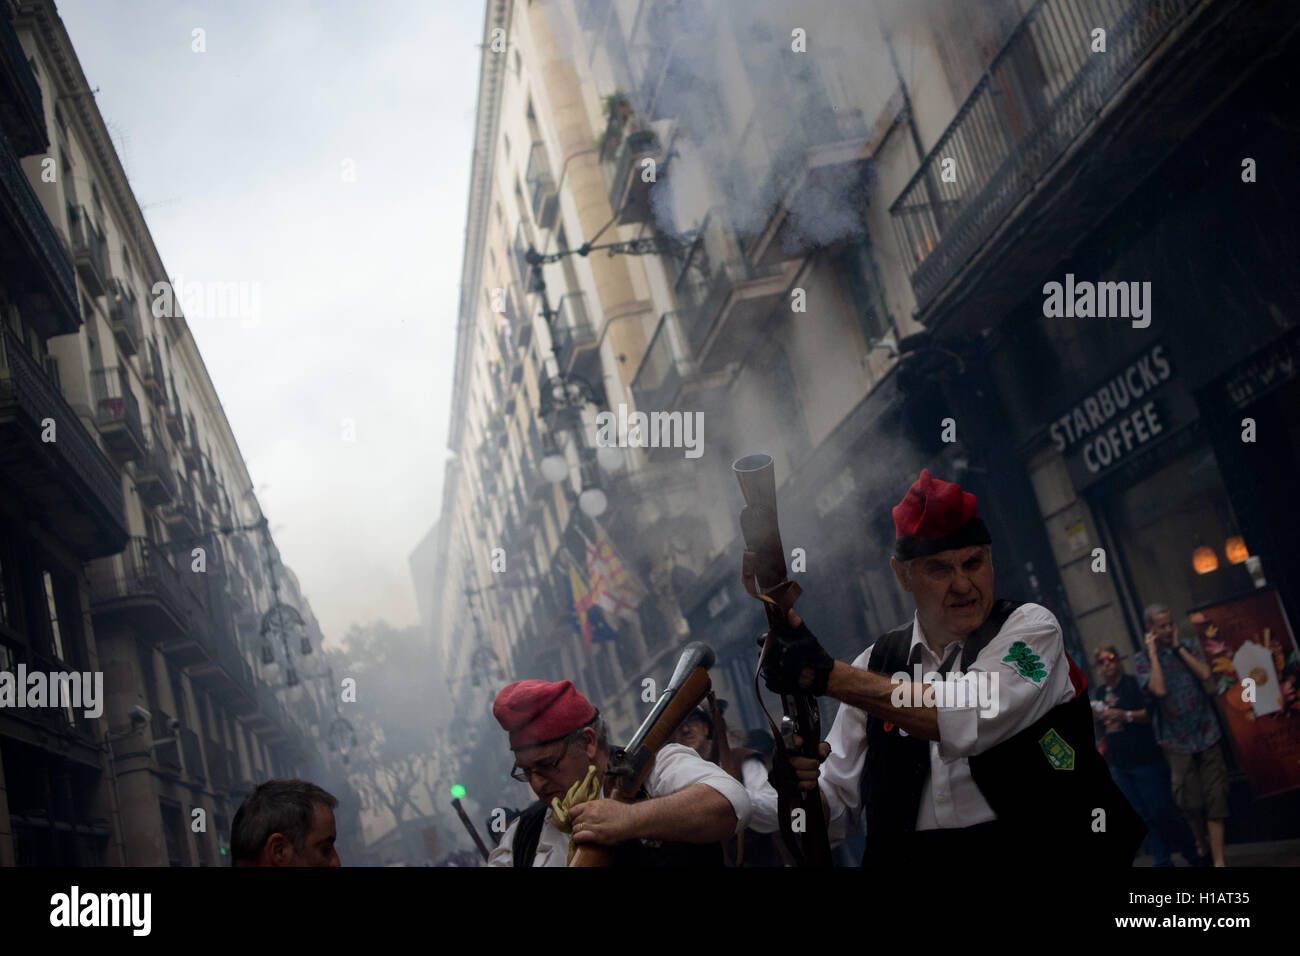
column 133, row 546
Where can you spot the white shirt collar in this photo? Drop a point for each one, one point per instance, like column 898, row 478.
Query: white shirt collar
column 918, row 642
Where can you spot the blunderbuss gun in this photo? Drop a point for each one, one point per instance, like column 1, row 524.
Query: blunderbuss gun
column 469, row 825
column 629, row 766
column 764, row 573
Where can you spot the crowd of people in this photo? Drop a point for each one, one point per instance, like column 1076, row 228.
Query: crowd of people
column 925, row 773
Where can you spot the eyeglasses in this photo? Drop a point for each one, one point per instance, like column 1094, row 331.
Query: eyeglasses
column 1104, row 658
column 545, row 768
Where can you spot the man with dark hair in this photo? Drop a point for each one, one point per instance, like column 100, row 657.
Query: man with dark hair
column 1135, row 759
column 285, row 823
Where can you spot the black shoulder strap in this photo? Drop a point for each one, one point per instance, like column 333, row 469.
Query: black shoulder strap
column 528, row 834
column 980, row 637
column 889, row 652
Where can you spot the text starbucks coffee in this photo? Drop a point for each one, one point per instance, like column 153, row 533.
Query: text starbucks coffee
column 1117, row 418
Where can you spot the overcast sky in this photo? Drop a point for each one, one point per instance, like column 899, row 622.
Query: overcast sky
column 237, row 155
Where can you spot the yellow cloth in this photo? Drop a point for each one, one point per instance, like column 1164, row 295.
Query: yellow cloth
column 588, row 788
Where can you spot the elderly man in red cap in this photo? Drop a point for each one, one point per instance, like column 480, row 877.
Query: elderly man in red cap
column 965, row 732
column 557, row 736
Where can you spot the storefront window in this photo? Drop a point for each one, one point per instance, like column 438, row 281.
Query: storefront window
column 1179, row 541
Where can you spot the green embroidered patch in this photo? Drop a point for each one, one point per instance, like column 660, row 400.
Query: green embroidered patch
column 1059, row 754
column 1029, row 663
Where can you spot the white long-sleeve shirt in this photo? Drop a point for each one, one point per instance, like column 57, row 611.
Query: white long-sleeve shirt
column 762, row 796
column 676, row 767
column 950, row 797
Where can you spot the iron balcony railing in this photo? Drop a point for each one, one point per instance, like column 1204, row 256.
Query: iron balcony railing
column 60, row 277
column 116, row 407
column 1042, row 90
column 20, row 94
column 124, row 316
column 142, row 570
column 151, row 375
column 166, row 742
column 573, row 329
column 154, row 478
column 89, row 250
column 173, row 416
column 25, row 385
column 541, row 186
column 193, row 754
column 713, row 268
column 664, row 368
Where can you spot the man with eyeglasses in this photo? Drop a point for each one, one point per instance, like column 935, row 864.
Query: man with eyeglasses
column 996, row 765
column 1136, row 761
column 555, row 733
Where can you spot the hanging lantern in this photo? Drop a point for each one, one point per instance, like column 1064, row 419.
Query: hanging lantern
column 1235, row 549
column 1204, row 560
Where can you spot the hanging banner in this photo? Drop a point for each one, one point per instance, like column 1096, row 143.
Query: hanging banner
column 1250, row 639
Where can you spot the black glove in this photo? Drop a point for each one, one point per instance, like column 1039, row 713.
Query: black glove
column 785, row 664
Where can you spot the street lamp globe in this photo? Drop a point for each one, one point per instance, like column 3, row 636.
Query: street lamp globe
column 555, row 468
column 592, row 502
column 609, row 457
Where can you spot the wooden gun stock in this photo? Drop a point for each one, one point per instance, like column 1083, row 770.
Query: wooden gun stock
column 630, row 765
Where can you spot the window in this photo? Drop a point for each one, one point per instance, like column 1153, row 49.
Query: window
column 99, row 205
column 4, row 604
column 174, row 834
column 56, row 634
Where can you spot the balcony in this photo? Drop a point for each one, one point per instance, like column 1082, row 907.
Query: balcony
column 172, row 416
column 629, row 193
column 190, row 447
column 541, row 186
column 155, row 481
column 67, row 485
column 117, row 413
column 166, row 742
column 34, row 264
column 1042, row 92
column 151, row 375
column 664, row 368
column 182, row 518
column 124, row 316
column 208, row 481
column 142, row 584
column 723, row 298
column 573, row 336
column 192, row 752
column 89, row 250
column 22, row 114
column 521, row 325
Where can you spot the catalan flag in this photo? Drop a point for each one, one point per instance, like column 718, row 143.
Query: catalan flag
column 612, row 587
column 588, row 619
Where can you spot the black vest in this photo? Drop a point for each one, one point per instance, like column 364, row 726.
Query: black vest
column 634, row 853
column 1044, row 783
